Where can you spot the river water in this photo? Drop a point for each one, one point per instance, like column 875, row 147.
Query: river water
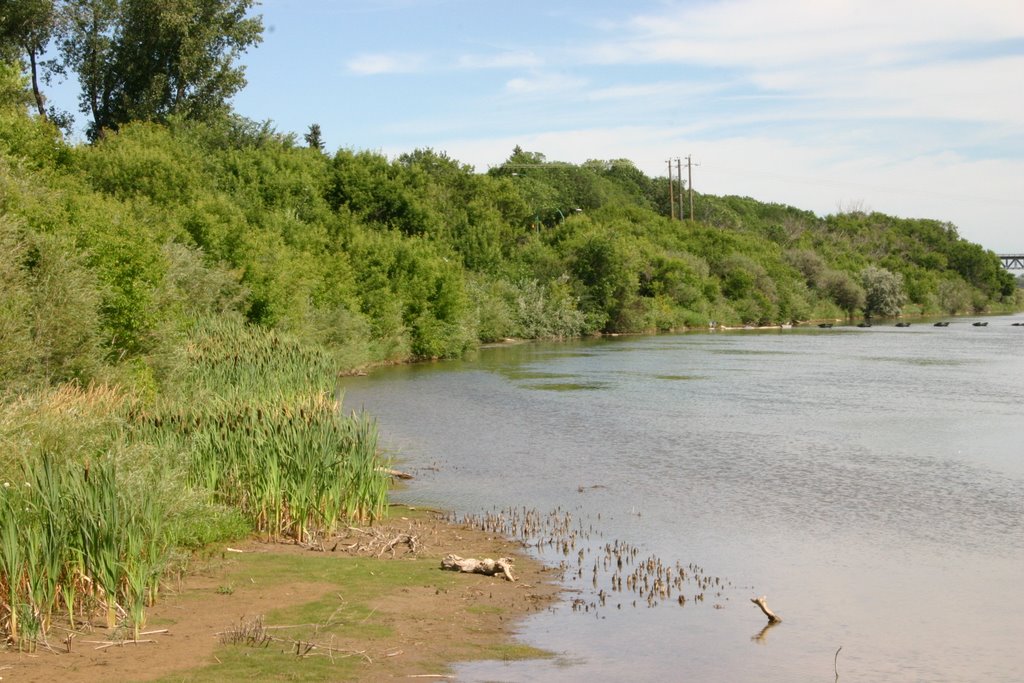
column 870, row 482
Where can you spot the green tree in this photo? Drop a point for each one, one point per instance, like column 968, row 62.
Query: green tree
column 883, row 291
column 605, row 266
column 26, row 27
column 87, row 46
column 314, row 138
column 14, row 96
column 141, row 60
column 954, row 295
column 843, row 290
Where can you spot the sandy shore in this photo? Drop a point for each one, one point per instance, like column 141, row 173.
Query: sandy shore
column 412, row 623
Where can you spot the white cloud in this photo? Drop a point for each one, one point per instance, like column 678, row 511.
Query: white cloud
column 501, row 60
column 895, row 59
column 377, row 64
column 655, row 91
column 762, row 34
column 543, row 83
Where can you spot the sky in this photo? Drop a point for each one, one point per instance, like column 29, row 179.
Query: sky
column 914, row 108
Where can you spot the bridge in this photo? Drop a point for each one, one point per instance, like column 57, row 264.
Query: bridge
column 1012, row 261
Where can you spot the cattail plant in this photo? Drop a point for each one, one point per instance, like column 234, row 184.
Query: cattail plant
column 72, row 535
column 254, row 424
column 263, row 432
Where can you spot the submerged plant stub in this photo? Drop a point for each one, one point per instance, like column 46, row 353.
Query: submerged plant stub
column 610, row 569
column 762, row 602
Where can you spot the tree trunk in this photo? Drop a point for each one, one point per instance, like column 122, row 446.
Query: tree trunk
column 35, row 84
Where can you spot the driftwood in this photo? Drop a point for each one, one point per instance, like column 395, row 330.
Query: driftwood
column 397, row 474
column 762, row 602
column 487, row 566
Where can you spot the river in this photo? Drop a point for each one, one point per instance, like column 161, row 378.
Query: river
column 870, row 482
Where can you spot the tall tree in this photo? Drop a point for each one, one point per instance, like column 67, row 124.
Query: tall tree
column 88, row 32
column 26, row 27
column 144, row 60
column 314, row 137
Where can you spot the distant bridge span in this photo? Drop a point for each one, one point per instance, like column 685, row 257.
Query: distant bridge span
column 1012, row 261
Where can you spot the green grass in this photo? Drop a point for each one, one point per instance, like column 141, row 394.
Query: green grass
column 241, row 663
column 350, row 586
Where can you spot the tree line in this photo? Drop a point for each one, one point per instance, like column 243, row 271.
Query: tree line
column 177, row 208
column 158, row 223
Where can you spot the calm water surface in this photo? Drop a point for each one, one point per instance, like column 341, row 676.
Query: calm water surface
column 870, row 482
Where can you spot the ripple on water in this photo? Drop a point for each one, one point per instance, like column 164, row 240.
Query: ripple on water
column 853, row 478
column 565, row 386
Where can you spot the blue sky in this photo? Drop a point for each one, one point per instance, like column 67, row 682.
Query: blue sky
column 909, row 107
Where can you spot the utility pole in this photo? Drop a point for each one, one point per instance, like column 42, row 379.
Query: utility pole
column 672, row 198
column 689, row 182
column 679, row 179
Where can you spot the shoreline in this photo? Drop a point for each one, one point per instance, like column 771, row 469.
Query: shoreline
column 391, row 611
column 367, row 368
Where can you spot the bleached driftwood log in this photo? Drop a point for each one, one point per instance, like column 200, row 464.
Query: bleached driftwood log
column 397, row 474
column 762, row 602
column 469, row 565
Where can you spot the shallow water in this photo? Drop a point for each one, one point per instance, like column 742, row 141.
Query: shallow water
column 869, row 481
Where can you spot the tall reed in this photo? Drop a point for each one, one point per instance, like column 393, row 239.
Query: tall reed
column 73, row 535
column 250, row 420
column 262, row 431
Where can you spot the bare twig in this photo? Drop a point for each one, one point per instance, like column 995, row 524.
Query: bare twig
column 104, row 644
column 255, row 634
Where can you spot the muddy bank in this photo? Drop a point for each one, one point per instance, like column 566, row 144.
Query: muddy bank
column 370, row 604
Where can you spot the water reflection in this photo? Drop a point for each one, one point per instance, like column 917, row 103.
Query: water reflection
column 760, row 636
column 852, row 476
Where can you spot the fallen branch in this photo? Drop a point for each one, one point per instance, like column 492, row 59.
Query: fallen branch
column 380, row 541
column 487, row 566
column 762, row 602
column 104, row 644
column 253, row 633
column 407, row 539
column 397, row 474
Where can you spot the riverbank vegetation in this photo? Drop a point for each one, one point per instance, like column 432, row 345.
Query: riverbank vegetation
column 180, row 293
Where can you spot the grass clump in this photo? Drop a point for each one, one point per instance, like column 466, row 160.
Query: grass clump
column 262, row 432
column 100, row 490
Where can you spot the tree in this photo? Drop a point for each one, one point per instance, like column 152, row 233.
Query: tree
column 954, row 295
column 87, row 46
column 26, row 27
column 843, row 290
column 313, row 138
column 883, row 291
column 14, row 93
column 148, row 61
